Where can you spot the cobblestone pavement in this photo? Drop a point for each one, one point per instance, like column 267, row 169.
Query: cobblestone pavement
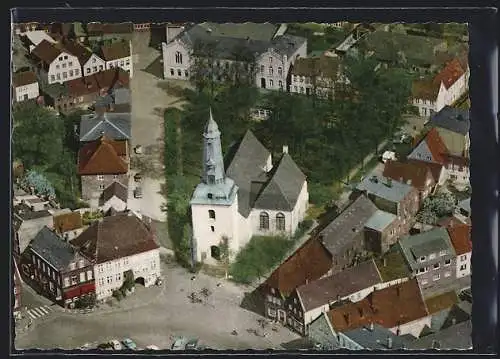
column 155, row 315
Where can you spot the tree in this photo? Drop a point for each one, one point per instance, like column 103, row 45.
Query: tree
column 435, row 207
column 128, row 280
column 39, row 182
column 87, row 301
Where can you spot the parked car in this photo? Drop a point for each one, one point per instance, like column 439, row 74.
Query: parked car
column 138, row 149
column 388, row 155
column 159, row 281
column 116, row 345
column 137, row 177
column 192, row 344
column 179, row 343
column 152, row 347
column 138, row 192
column 129, row 344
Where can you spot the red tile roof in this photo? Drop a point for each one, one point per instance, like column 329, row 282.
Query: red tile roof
column 46, row 51
column 435, row 168
column 436, row 145
column 308, row 263
column 414, row 174
column 449, row 74
column 93, row 84
column 101, row 157
column 460, row 238
column 24, row 78
column 395, row 305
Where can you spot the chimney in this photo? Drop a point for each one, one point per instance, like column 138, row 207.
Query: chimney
column 371, row 327
column 453, row 321
column 398, row 291
column 389, row 182
column 338, row 297
column 384, row 262
column 389, row 343
column 361, row 313
column 347, row 317
column 285, row 149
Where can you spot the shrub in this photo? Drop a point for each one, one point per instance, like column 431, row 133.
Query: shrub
column 87, row 301
column 117, row 294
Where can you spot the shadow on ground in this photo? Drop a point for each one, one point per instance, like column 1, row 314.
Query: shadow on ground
column 155, row 68
column 298, row 344
column 253, row 302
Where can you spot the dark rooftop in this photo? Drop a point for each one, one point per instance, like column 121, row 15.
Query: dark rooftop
column 52, row 248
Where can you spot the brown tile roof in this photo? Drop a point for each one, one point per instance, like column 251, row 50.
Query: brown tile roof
column 94, row 83
column 115, row 51
column 440, row 302
column 460, row 238
column 325, row 66
column 115, row 237
column 115, row 189
column 436, row 145
column 349, row 281
column 410, row 173
column 435, row 168
column 112, row 77
column 103, row 156
column 389, row 307
column 78, row 50
column 449, row 74
column 67, row 222
column 82, row 86
column 24, row 78
column 46, row 51
column 310, row 262
column 424, row 89
column 117, row 28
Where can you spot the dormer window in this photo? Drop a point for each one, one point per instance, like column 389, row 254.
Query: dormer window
column 422, row 259
column 210, row 196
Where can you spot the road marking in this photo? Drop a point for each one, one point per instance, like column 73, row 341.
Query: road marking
column 48, row 308
column 39, row 311
column 32, row 315
column 44, row 310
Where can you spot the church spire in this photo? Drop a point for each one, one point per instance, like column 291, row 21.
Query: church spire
column 213, row 160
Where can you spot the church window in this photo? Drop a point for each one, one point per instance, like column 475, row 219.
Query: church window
column 178, row 58
column 210, row 196
column 211, row 214
column 280, row 222
column 212, row 228
column 211, row 179
column 264, row 220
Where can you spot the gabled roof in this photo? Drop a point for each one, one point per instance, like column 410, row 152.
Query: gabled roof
column 441, row 302
column 24, row 78
column 67, row 222
column 342, row 284
column 247, row 160
column 385, row 188
column 102, row 157
column 347, row 225
column 283, row 188
column 452, row 119
column 460, row 238
column 53, row 248
column 116, row 189
column 46, row 51
column 310, row 262
column 450, row 74
column 323, row 66
column 380, row 220
column 115, row 51
column 254, row 31
column 376, row 338
column 75, row 48
column 435, row 168
column 410, row 173
column 389, row 307
column 115, row 126
column 115, row 237
column 425, row 89
column 25, row 213
column 425, row 243
column 456, row 337
column 392, row 265
column 436, row 145
column 96, row 28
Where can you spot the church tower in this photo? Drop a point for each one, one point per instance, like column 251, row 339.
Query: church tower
column 214, row 204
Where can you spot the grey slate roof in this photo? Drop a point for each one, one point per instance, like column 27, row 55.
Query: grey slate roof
column 346, row 226
column 255, row 31
column 115, row 189
column 393, row 191
column 376, row 338
column 457, row 336
column 247, row 163
column 284, row 186
column 25, row 213
column 380, row 220
column 349, row 281
column 465, row 205
column 121, row 96
column 52, row 248
column 425, row 243
column 115, row 126
column 453, row 119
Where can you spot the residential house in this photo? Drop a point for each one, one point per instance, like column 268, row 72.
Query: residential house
column 16, row 285
column 320, row 75
column 115, row 126
column 32, row 39
column 392, row 266
column 118, row 101
column 415, row 174
column 453, row 125
column 296, row 270
column 142, row 27
column 391, row 196
column 455, row 337
column 27, row 222
column 101, row 163
column 437, row 170
column 56, row 269
column 115, row 196
column 432, row 259
column 25, row 86
column 91, row 62
column 445, row 310
column 274, row 55
column 118, row 244
column 106, row 32
column 55, row 64
column 68, row 225
column 118, row 54
column 433, row 149
column 373, row 337
column 460, row 236
column 21, row 28
column 381, row 231
column 344, row 236
column 431, row 94
column 309, row 300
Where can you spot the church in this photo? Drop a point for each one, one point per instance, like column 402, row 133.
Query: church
column 249, row 196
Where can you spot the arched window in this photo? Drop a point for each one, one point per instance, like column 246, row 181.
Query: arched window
column 264, row 220
column 178, row 58
column 280, row 71
column 270, row 70
column 280, row 222
column 211, row 214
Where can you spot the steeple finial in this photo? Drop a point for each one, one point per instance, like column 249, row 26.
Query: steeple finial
column 211, row 125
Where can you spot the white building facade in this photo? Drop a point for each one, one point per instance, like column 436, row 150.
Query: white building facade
column 64, row 68
column 27, row 92
column 93, row 65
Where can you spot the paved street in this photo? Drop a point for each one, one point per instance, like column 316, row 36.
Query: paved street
column 155, row 315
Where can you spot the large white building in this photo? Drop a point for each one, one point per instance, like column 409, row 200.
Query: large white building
column 250, row 197
column 25, row 86
column 56, row 64
column 274, row 53
column 117, row 244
